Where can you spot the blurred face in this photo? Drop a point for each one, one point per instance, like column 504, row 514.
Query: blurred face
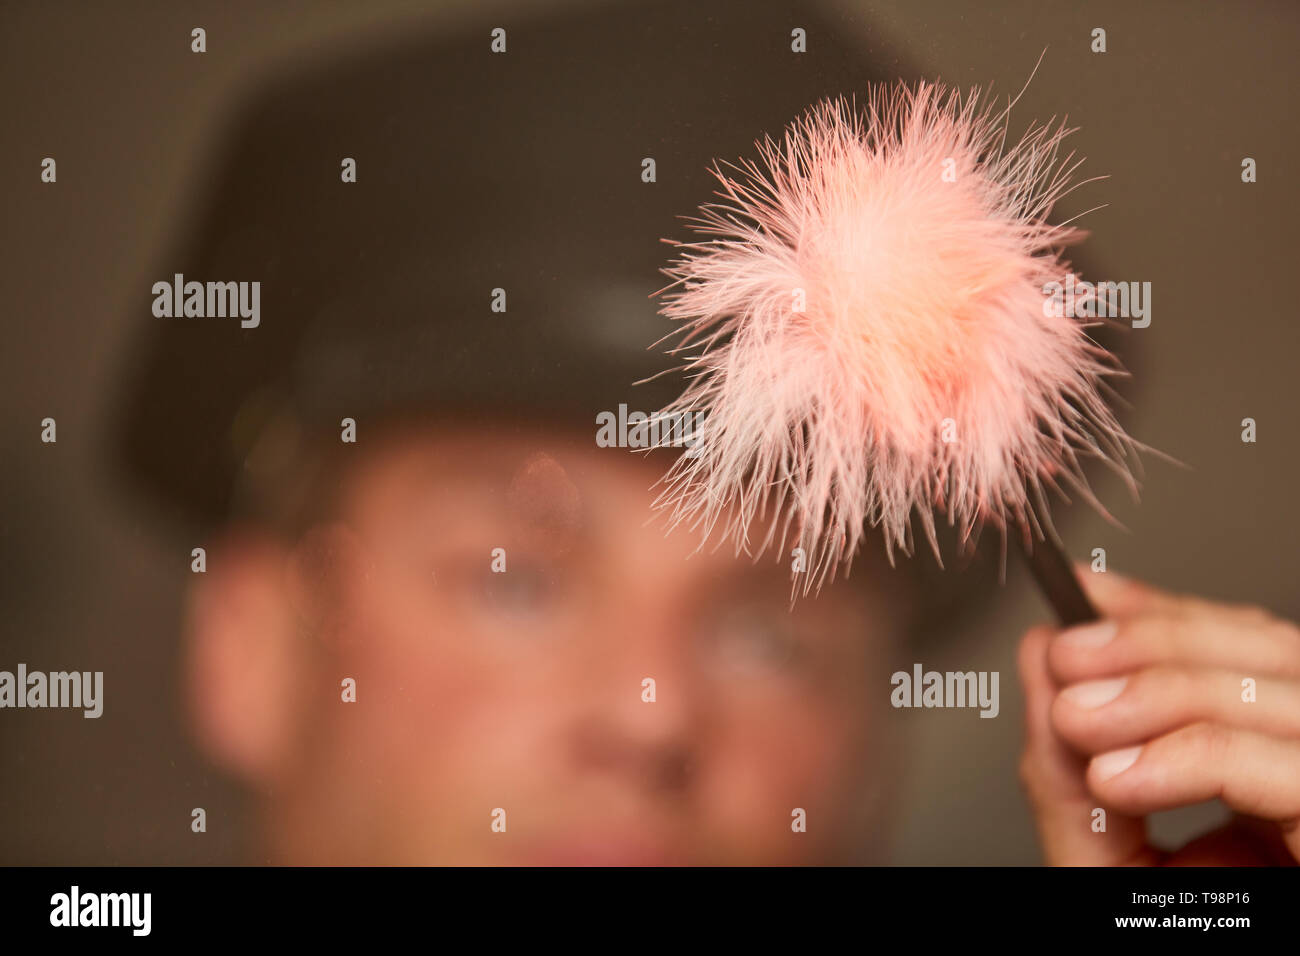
column 542, row 676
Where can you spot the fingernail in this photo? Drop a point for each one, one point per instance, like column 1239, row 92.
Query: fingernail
column 1094, row 693
column 1088, row 635
column 1115, row 762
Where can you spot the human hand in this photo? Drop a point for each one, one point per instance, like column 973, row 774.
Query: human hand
column 1149, row 710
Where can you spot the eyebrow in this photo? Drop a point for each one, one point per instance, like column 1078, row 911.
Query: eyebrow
column 526, row 503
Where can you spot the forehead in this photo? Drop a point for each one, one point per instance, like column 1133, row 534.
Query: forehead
column 534, row 475
column 504, row 485
column 557, row 488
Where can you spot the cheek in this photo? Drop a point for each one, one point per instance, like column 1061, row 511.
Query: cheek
column 441, row 708
column 768, row 760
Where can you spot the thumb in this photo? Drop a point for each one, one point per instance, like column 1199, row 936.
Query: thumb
column 1053, row 777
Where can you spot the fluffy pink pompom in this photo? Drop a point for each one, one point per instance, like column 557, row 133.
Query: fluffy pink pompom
column 865, row 333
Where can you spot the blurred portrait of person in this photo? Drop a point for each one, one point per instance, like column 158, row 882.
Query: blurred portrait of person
column 388, row 377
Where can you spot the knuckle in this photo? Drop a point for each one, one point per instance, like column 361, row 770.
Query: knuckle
column 1031, row 643
column 1286, row 631
column 1209, row 740
column 1058, row 715
column 1174, row 681
column 1027, row 771
column 1154, row 637
column 1034, row 635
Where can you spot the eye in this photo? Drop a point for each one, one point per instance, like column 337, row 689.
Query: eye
column 752, row 638
column 525, row 588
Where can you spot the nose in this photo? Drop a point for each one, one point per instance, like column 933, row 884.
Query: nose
column 641, row 716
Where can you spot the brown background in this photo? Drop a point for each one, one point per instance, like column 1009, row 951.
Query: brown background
column 114, row 94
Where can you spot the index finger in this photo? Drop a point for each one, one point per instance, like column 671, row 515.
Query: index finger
column 1117, row 595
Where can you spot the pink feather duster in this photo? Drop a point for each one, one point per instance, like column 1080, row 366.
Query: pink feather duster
column 863, row 327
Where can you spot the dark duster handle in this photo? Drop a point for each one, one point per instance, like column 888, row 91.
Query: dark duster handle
column 1056, row 578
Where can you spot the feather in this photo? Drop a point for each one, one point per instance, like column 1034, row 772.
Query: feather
column 861, row 322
